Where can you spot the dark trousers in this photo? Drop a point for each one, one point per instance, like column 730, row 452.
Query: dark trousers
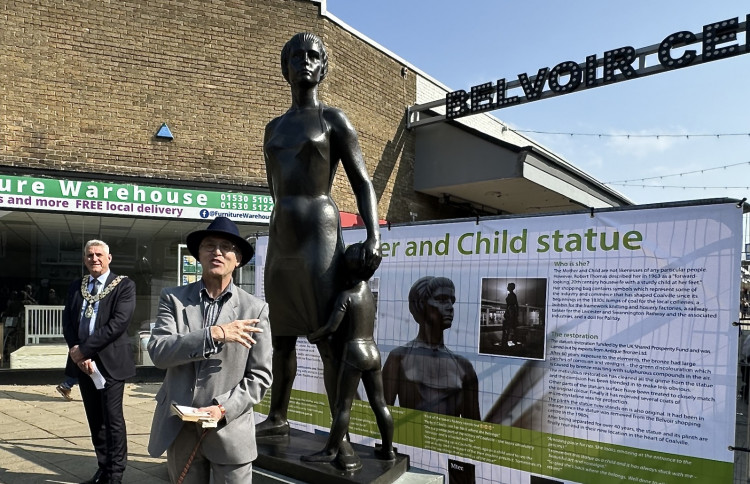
column 104, row 413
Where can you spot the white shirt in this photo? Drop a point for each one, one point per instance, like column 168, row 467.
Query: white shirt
column 102, row 279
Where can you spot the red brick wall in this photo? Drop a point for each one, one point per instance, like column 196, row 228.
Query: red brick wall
column 86, row 84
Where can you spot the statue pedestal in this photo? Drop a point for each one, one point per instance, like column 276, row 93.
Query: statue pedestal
column 281, row 455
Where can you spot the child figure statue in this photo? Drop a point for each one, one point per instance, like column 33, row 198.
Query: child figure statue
column 355, row 308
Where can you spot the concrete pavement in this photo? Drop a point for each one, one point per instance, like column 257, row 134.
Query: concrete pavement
column 45, row 439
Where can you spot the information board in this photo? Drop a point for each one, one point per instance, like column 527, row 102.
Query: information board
column 620, row 364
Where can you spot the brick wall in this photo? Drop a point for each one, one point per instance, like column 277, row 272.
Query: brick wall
column 86, row 84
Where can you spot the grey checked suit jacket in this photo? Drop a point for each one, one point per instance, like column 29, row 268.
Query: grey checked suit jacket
column 235, row 377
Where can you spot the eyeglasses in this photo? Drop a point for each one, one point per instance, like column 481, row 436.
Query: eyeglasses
column 224, row 247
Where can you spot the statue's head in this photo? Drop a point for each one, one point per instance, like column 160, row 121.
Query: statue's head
column 299, row 40
column 511, row 286
column 431, row 301
column 358, row 270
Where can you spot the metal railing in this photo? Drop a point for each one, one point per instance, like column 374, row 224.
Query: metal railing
column 42, row 322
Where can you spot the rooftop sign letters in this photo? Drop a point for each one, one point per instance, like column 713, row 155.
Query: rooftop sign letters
column 716, row 41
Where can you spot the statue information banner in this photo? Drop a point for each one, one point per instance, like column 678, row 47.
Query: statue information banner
column 581, row 348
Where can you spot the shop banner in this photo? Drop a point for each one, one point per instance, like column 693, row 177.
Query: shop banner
column 89, row 197
column 580, row 348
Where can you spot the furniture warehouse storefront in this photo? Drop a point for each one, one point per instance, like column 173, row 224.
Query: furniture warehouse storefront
column 44, row 224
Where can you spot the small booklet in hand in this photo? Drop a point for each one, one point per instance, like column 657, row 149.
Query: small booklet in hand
column 192, row 414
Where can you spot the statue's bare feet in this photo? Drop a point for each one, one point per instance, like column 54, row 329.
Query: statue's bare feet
column 272, row 428
column 348, row 462
column 323, row 456
column 385, row 454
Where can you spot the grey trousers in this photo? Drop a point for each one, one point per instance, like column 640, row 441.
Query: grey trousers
column 202, row 471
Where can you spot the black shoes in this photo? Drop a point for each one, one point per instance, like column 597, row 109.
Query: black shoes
column 99, row 478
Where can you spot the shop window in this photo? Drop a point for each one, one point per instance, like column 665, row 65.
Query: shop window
column 41, row 254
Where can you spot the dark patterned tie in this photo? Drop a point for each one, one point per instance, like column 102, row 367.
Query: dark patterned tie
column 83, row 327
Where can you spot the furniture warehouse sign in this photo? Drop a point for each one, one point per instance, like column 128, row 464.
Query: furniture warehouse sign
column 618, row 363
column 89, row 197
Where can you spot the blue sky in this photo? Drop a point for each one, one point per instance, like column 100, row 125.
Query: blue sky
column 462, row 44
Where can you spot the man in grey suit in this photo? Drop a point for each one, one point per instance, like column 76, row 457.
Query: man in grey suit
column 214, row 340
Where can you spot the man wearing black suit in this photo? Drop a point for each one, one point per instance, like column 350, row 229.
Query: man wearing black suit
column 98, row 309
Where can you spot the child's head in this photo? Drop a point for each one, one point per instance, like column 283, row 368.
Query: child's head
column 355, row 264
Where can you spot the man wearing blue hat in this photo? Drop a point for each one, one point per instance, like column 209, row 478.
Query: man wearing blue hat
column 214, row 340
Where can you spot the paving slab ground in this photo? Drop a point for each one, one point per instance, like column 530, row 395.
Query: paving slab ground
column 45, row 439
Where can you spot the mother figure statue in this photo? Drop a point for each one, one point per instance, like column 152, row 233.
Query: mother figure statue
column 305, row 269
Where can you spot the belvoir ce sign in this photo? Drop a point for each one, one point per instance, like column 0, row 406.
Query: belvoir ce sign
column 717, row 40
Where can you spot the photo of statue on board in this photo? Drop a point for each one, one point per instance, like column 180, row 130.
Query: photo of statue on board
column 512, row 319
column 424, row 374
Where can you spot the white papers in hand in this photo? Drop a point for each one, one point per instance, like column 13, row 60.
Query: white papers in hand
column 97, row 377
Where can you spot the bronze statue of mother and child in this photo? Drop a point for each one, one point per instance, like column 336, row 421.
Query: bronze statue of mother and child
column 313, row 285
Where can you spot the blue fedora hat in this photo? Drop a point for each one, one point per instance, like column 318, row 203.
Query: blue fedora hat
column 221, row 227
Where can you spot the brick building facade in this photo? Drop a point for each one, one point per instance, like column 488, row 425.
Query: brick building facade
column 87, row 84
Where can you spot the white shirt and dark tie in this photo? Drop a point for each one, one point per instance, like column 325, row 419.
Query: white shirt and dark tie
column 86, row 325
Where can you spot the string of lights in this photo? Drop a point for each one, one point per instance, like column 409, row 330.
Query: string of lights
column 679, row 186
column 660, row 177
column 638, row 182
column 631, row 135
